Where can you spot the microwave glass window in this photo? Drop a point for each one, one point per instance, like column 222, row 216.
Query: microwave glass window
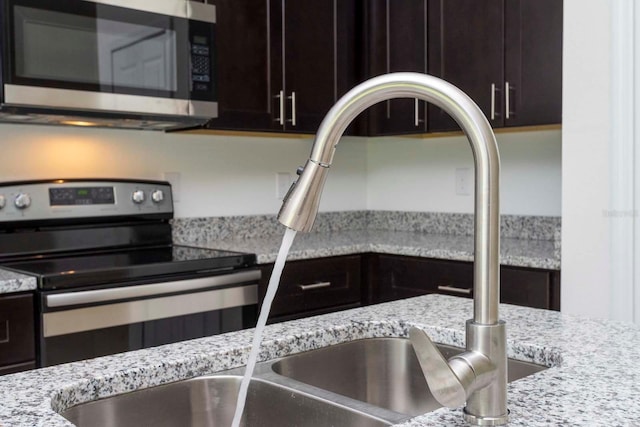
column 60, row 46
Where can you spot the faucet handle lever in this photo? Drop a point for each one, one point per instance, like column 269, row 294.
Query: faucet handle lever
column 451, row 382
column 444, row 384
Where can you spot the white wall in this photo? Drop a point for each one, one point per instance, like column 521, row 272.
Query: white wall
column 419, row 174
column 219, row 175
column 586, row 130
column 223, row 175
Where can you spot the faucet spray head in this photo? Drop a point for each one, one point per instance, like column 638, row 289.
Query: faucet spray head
column 300, row 205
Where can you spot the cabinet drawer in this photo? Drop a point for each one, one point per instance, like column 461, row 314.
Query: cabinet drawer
column 17, row 335
column 404, row 277
column 309, row 285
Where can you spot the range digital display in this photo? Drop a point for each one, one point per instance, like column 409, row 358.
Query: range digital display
column 71, row 196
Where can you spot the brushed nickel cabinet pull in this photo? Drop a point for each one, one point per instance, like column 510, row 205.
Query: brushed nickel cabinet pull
column 462, row 291
column 280, row 97
column 293, row 108
column 314, row 286
column 493, row 101
column 507, row 101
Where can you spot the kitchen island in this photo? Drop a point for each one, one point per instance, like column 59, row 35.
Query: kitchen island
column 593, row 377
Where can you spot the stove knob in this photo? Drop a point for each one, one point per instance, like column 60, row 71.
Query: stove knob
column 157, row 196
column 3, row 201
column 137, row 196
column 22, row 201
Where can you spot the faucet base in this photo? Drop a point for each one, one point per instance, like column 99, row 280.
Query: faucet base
column 487, row 406
column 486, row 421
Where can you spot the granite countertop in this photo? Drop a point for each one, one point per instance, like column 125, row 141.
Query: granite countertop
column 514, row 252
column 593, row 379
column 15, row 282
column 527, row 241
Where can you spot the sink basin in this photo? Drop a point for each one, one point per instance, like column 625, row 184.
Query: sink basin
column 210, row 401
column 371, row 382
column 380, row 371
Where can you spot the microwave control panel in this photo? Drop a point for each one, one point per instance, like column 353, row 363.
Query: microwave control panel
column 202, row 67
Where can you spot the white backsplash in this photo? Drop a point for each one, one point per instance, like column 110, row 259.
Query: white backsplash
column 224, row 175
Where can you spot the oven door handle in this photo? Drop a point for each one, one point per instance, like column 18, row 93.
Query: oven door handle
column 69, row 299
column 103, row 316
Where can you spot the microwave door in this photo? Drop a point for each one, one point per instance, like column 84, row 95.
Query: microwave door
column 104, row 57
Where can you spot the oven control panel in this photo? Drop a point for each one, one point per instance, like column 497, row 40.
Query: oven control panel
column 69, row 199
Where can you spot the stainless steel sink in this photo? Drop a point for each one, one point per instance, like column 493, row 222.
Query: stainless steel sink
column 380, row 371
column 210, row 401
column 371, row 382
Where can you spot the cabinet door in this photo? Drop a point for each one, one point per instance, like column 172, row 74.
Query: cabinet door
column 17, row 333
column 319, row 58
column 244, row 60
column 466, row 48
column 397, row 32
column 530, row 287
column 533, row 85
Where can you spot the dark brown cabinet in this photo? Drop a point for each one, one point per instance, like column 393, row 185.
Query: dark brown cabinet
column 394, row 277
column 243, row 65
column 315, row 286
column 396, row 40
column 505, row 54
column 283, row 64
column 323, row 285
column 17, row 333
column 533, row 67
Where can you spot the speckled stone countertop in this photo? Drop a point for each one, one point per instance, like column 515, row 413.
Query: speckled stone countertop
column 593, row 379
column 514, row 252
column 15, row 282
column 526, row 241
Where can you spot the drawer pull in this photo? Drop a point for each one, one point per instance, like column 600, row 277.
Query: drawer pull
column 314, row 286
column 463, row 291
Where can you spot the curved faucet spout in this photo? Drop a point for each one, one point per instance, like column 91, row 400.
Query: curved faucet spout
column 478, row 376
column 300, row 207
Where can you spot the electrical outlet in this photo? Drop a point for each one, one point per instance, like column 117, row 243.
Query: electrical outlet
column 283, row 182
column 174, row 180
column 464, row 181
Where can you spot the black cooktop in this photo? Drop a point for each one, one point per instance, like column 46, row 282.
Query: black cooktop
column 127, row 266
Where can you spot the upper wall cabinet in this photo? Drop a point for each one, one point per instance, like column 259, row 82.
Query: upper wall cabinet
column 505, row 54
column 533, row 67
column 283, row 64
column 396, row 41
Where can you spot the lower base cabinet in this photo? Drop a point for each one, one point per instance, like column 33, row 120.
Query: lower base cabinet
column 323, row 285
column 394, row 277
column 17, row 333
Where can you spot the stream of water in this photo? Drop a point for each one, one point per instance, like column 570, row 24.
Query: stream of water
column 274, row 281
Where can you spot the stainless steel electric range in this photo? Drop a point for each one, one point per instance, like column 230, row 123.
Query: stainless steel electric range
column 109, row 277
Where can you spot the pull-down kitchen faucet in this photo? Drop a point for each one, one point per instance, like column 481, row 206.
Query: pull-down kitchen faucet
column 478, row 376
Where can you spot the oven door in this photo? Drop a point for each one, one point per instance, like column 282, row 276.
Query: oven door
column 128, row 56
column 85, row 324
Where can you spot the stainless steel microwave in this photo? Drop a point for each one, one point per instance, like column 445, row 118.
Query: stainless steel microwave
column 123, row 63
